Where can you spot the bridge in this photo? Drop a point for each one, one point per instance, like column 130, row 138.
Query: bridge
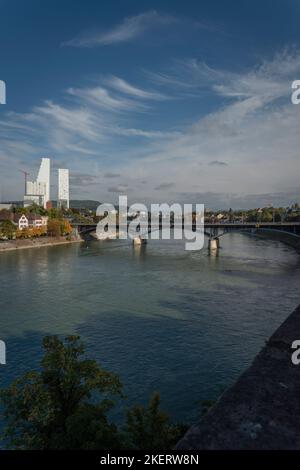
column 285, row 231
column 213, row 227
column 213, row 230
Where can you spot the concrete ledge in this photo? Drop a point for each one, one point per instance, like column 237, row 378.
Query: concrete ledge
column 262, row 409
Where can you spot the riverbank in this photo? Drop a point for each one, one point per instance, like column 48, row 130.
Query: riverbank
column 13, row 245
column 291, row 239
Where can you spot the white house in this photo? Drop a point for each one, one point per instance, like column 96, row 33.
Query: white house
column 22, row 221
column 31, row 221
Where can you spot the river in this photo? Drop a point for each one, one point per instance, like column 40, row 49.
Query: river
column 183, row 323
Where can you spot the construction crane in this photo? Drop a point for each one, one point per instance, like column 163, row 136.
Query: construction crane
column 25, row 173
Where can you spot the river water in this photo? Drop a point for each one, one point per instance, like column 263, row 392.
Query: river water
column 183, row 323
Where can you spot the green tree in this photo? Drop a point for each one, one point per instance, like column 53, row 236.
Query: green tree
column 8, row 229
column 21, row 210
column 149, row 428
column 36, row 209
column 252, row 215
column 55, row 213
column 32, row 209
column 64, row 405
column 267, row 215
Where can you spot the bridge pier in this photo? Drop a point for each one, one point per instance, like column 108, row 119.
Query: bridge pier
column 139, row 241
column 213, row 244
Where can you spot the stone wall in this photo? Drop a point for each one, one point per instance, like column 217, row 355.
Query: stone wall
column 262, row 409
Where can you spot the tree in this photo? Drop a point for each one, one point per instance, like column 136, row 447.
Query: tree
column 5, row 214
column 65, row 404
column 54, row 227
column 267, row 215
column 21, row 210
column 150, row 429
column 38, row 231
column 58, row 227
column 24, row 233
column 66, row 227
column 36, row 209
column 32, row 209
column 55, row 213
column 8, row 229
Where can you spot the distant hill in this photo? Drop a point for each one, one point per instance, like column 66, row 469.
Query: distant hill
column 74, row 204
column 15, row 203
column 82, row 204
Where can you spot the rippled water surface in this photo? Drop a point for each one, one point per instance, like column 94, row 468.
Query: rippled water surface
column 184, row 323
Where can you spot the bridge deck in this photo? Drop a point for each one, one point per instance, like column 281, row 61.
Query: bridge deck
column 217, row 225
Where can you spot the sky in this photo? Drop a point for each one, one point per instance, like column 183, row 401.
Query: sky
column 164, row 101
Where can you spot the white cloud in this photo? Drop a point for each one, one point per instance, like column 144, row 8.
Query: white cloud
column 78, row 120
column 125, row 87
column 83, row 128
column 131, row 132
column 255, row 131
column 99, row 96
column 130, row 28
column 266, row 82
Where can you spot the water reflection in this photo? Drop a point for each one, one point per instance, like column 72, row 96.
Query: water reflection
column 164, row 318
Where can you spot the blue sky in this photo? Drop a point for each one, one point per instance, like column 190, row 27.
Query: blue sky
column 164, row 101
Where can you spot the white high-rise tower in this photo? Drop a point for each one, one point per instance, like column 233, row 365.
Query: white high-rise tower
column 38, row 191
column 63, row 199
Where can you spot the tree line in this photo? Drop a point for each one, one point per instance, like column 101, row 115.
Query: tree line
column 66, row 404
